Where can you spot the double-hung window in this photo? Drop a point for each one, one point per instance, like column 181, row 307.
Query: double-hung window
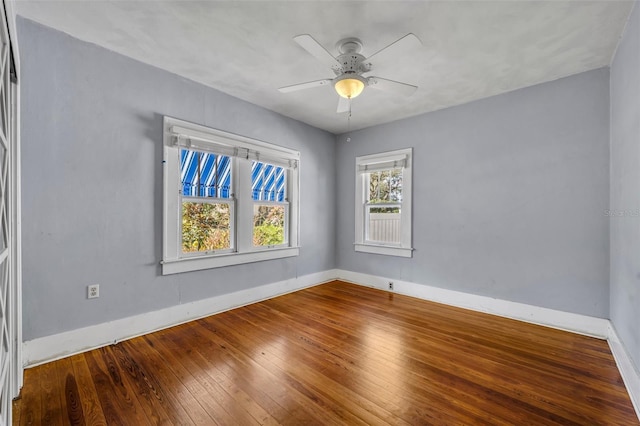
column 383, row 203
column 227, row 199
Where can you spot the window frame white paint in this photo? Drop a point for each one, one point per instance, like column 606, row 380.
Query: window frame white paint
column 384, row 161
column 179, row 134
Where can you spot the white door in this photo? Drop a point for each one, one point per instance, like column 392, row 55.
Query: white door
column 10, row 303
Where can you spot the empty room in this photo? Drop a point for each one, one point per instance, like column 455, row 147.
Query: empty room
column 320, row 212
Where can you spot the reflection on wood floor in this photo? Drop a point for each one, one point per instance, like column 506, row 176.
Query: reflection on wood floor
column 336, row 354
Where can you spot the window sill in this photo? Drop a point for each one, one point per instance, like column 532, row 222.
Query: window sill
column 218, row 261
column 386, row 250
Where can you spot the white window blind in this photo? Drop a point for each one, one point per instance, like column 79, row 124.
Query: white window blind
column 222, row 143
column 390, row 162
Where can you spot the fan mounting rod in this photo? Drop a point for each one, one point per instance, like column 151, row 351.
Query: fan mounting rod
column 349, row 45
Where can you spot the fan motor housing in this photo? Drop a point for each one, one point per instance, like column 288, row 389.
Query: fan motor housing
column 350, row 59
column 352, row 63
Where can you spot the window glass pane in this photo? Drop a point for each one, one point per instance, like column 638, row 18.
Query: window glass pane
column 385, row 186
column 383, row 224
column 205, row 226
column 268, row 224
column 268, row 182
column 204, row 174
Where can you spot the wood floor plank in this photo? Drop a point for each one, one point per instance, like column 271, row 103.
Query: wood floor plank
column 51, row 396
column 238, row 405
column 91, row 408
column 30, row 406
column 220, row 405
column 16, row 410
column 118, row 402
column 289, row 371
column 72, row 400
column 258, row 385
column 149, row 391
column 336, row 354
column 179, row 401
column 268, row 382
column 195, row 389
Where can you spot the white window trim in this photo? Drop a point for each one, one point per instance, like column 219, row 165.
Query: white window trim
column 382, row 161
column 199, row 137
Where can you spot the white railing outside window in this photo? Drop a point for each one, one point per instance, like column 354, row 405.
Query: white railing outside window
column 384, row 228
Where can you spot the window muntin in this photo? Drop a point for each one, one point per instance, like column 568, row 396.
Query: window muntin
column 383, row 203
column 219, row 190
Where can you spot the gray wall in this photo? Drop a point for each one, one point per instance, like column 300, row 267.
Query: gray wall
column 92, row 184
column 509, row 200
column 625, row 188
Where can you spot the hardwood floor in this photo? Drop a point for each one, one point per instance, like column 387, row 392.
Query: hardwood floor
column 336, row 354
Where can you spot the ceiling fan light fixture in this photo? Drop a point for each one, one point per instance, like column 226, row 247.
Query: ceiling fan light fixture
column 349, row 86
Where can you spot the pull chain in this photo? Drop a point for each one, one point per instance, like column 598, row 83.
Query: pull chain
column 349, row 122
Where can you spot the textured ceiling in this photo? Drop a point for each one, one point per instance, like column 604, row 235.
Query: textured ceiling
column 470, row 50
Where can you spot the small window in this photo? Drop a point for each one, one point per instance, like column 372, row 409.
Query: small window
column 383, row 203
column 227, row 199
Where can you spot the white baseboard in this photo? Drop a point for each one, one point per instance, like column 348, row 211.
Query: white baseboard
column 582, row 324
column 50, row 348
column 629, row 374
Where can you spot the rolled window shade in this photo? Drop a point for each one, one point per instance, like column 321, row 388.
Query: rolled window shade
column 200, row 141
column 206, row 146
column 386, row 163
column 289, row 163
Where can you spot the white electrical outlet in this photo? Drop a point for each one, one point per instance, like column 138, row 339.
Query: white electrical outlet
column 93, row 291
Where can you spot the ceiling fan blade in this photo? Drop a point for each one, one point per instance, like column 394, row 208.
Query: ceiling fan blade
column 309, row 44
column 410, row 41
column 343, row 104
column 391, row 86
column 303, row 86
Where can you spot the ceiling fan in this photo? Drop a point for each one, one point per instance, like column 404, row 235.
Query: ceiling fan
column 350, row 67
